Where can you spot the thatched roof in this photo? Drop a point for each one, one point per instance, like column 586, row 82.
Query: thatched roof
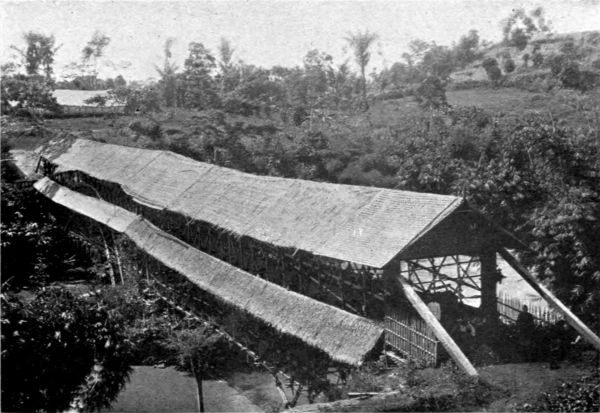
column 344, row 336
column 67, row 97
column 364, row 225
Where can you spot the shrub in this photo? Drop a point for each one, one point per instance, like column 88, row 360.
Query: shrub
column 509, row 66
column 431, row 93
column 489, row 63
column 493, row 71
column 582, row 395
column 495, row 75
column 148, row 128
column 537, row 59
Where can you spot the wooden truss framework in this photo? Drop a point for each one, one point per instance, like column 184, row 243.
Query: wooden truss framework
column 426, row 275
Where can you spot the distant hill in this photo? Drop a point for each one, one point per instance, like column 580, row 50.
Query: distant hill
column 586, row 46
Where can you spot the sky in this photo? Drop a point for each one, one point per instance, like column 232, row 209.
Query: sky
column 265, row 33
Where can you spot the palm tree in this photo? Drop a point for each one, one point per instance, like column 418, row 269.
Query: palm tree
column 361, row 43
column 226, row 65
column 168, row 74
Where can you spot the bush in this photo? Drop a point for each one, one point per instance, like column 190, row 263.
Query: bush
column 537, row 59
column 509, row 66
column 582, row 395
column 488, row 63
column 431, row 93
column 148, row 128
column 493, row 71
column 239, row 106
column 58, row 348
column 571, row 75
column 495, row 75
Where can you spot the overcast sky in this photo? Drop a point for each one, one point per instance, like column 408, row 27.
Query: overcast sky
column 267, row 33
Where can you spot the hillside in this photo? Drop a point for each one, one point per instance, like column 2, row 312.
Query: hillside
column 586, row 47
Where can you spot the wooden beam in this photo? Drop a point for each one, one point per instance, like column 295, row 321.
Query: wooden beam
column 439, row 331
column 571, row 318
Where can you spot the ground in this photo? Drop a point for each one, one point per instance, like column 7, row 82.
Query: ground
column 524, row 382
column 153, row 389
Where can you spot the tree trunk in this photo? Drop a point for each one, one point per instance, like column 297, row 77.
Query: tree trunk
column 199, row 396
column 365, row 104
column 111, row 272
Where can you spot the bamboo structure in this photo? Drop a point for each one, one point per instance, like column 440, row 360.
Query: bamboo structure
column 343, row 336
column 363, row 250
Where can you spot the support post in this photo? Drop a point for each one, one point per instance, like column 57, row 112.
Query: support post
column 489, row 281
column 439, row 331
column 571, row 318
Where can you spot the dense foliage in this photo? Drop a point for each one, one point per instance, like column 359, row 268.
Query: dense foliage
column 58, row 350
column 35, row 249
column 582, row 395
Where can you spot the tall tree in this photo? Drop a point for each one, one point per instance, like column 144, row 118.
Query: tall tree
column 360, row 43
column 318, row 76
column 203, row 352
column 518, row 28
column 92, row 52
column 168, row 74
column 199, row 82
column 229, row 80
column 38, row 54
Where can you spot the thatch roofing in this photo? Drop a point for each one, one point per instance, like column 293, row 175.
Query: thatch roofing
column 359, row 224
column 344, row 336
column 67, row 97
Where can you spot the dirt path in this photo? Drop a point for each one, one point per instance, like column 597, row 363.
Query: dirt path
column 167, row 390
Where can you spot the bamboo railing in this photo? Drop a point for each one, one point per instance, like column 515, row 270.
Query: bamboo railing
column 412, row 337
column 509, row 309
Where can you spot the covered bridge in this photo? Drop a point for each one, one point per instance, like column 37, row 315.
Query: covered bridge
column 365, row 250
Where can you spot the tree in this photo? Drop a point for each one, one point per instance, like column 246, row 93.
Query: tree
column 518, row 28
column 168, row 74
column 466, row 51
column 229, row 76
column 438, row 61
column 519, row 39
column 120, row 81
column 360, row 43
column 39, row 53
column 431, row 93
column 32, row 93
column 318, row 75
column 58, row 350
column 203, row 352
column 493, row 71
column 92, row 51
column 199, row 82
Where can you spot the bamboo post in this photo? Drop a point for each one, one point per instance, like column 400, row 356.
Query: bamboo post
column 489, row 280
column 570, row 318
column 439, row 331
